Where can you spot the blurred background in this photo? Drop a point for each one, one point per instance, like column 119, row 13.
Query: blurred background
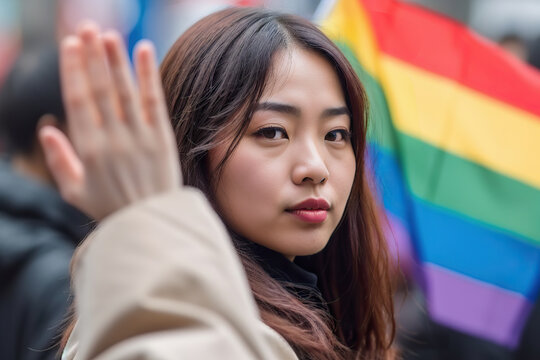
column 25, row 23
column 514, row 25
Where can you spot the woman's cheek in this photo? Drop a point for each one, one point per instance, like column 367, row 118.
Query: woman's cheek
column 250, row 184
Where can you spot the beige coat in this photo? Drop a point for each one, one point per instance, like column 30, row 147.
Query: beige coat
column 161, row 280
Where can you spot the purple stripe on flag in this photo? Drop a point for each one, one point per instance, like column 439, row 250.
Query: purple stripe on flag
column 475, row 307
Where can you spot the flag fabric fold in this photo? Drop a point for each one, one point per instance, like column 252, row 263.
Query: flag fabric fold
column 454, row 144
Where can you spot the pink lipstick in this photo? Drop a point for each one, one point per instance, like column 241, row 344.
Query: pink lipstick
column 312, row 211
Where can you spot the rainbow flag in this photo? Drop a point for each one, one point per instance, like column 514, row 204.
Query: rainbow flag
column 455, row 148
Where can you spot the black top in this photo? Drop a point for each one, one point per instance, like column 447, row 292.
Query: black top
column 297, row 280
column 38, row 233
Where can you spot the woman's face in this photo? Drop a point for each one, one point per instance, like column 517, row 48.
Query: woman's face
column 286, row 184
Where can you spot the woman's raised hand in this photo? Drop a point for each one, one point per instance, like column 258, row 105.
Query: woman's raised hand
column 121, row 146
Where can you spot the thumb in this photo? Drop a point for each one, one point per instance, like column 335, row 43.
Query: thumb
column 63, row 162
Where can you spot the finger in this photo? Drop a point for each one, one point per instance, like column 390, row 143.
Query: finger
column 151, row 90
column 65, row 166
column 101, row 86
column 123, row 78
column 80, row 110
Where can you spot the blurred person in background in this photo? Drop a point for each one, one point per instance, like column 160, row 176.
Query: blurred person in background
column 515, row 45
column 38, row 230
column 534, row 53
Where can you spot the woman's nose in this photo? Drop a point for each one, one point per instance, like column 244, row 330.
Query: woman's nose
column 310, row 166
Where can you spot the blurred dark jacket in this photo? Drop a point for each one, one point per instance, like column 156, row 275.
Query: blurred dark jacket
column 38, row 233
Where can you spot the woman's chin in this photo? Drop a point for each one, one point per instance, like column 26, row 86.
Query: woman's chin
column 303, row 249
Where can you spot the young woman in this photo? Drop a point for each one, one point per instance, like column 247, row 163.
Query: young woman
column 270, row 125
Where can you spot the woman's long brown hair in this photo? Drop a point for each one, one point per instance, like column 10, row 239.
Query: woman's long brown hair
column 213, row 77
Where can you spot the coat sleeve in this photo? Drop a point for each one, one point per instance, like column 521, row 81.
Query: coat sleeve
column 161, row 280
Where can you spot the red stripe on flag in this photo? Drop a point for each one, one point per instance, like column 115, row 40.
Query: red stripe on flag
column 447, row 48
column 248, row 2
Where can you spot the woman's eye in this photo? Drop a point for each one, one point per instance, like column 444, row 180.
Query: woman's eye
column 338, row 135
column 272, row 133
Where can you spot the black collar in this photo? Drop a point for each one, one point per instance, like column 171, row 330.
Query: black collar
column 297, row 280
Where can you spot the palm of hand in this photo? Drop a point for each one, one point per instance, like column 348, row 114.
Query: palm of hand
column 121, row 147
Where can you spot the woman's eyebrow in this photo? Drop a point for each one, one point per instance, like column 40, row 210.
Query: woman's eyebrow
column 278, row 107
column 295, row 111
column 331, row 112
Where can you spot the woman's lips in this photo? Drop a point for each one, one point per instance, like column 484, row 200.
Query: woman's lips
column 313, row 216
column 312, row 210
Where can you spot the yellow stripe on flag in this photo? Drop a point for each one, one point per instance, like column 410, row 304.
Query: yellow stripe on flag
column 349, row 23
column 457, row 119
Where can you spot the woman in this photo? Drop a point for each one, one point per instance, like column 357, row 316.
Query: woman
column 270, row 124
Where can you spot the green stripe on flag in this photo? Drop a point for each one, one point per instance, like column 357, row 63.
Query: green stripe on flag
column 473, row 190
